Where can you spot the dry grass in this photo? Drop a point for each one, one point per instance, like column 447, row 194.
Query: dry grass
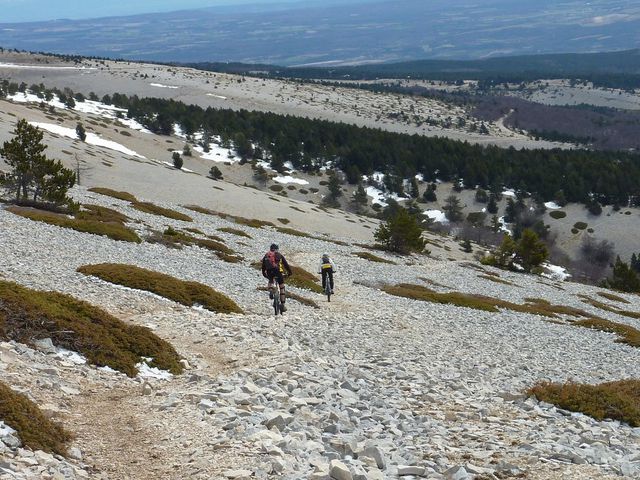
column 614, row 400
column 115, row 231
column 373, row 258
column 609, row 308
column 234, row 231
column 613, row 298
column 173, row 238
column 626, row 334
column 126, row 196
column 185, row 292
column 148, row 207
column 101, row 214
column 292, row 231
column 27, row 315
column 249, row 222
column 490, row 276
column 34, row 429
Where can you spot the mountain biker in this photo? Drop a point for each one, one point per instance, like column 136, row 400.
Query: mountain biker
column 326, row 268
column 273, row 266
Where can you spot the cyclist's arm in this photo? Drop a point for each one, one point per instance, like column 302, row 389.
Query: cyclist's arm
column 286, row 266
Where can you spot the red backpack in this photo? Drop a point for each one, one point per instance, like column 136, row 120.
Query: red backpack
column 271, row 260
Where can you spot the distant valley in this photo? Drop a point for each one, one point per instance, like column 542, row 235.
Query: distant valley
column 356, row 33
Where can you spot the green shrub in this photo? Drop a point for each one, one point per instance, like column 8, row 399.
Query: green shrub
column 401, row 233
column 286, row 221
column 615, row 400
column 34, row 429
column 27, row 315
column 557, row 214
column 276, row 188
column 114, row 231
column 580, row 226
column 148, row 207
column 185, row 292
column 127, row 197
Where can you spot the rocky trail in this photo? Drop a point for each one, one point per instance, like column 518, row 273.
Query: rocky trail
column 367, row 387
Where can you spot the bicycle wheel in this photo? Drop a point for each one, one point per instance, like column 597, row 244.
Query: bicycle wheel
column 276, row 303
column 327, row 290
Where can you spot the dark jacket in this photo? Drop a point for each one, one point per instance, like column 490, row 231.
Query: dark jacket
column 280, row 260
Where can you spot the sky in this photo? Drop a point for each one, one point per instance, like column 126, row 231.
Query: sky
column 39, row 10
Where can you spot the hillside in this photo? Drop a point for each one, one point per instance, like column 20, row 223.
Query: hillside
column 367, row 383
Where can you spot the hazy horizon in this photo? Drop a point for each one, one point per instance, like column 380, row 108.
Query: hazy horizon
column 19, row 11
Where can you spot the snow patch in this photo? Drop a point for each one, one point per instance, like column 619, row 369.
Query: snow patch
column 73, row 357
column 145, row 371
column 437, row 216
column 92, row 138
column 552, row 206
column 160, row 85
column 216, row 153
column 289, row 179
column 509, row 193
column 222, row 97
column 555, row 272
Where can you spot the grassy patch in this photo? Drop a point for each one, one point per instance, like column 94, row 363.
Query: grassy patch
column 250, row 222
column 609, row 308
column 495, row 279
column 35, row 430
column 180, row 291
column 626, row 334
column 101, row 214
column 115, row 231
column 615, row 400
column 373, row 258
column 26, row 315
column 126, row 196
column 613, row 297
column 234, row 231
column 292, row 231
column 303, row 279
column 172, row 238
column 148, row 207
column 557, row 214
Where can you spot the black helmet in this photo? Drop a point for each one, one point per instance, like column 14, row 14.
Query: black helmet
column 274, row 247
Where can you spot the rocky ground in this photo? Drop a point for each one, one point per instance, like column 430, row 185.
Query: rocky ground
column 368, row 386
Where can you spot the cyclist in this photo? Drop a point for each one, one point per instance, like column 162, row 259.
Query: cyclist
column 326, row 268
column 273, row 267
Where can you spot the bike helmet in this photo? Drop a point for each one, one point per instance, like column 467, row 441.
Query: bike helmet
column 274, row 247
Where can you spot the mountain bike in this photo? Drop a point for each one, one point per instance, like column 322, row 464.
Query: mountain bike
column 327, row 288
column 277, row 304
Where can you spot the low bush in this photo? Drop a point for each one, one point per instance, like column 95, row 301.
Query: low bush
column 580, row 226
column 494, row 279
column 115, row 231
column 285, row 221
column 304, row 279
column 626, row 334
column 291, row 231
column 614, row 400
column 101, row 214
column 34, row 429
column 612, row 297
column 27, row 315
column 126, row 196
column 148, row 207
column 234, row 231
column 373, row 258
column 557, row 214
column 187, row 293
column 608, row 308
column 276, row 188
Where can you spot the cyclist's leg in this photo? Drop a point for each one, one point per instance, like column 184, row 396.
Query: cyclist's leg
column 280, row 279
column 324, row 279
column 331, row 280
column 271, row 286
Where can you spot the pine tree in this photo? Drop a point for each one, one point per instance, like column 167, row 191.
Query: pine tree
column 492, row 205
column 415, row 190
column 215, row 173
column 33, row 173
column 429, row 194
column 81, row 132
column 530, row 250
column 452, row 209
column 624, row 278
column 177, row 160
column 401, row 233
column 360, row 198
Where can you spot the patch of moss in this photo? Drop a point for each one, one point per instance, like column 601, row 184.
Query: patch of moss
column 185, row 292
column 115, row 231
column 615, row 400
column 234, row 231
column 373, row 258
column 148, row 207
column 126, row 196
column 34, row 429
column 27, row 315
column 557, row 214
